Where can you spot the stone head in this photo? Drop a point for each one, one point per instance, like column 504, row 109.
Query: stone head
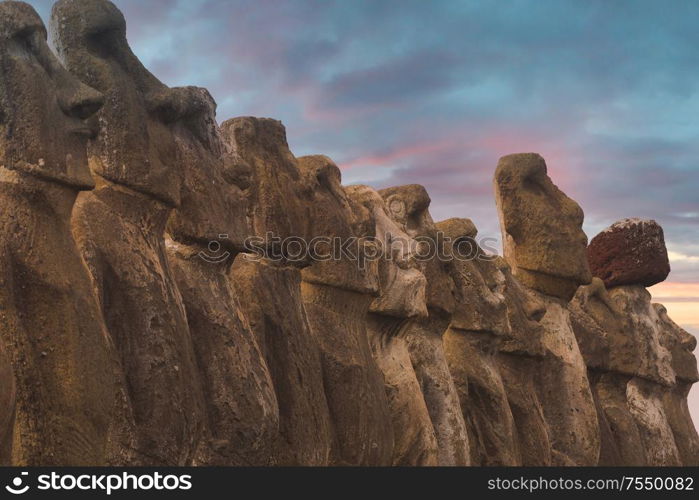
column 136, row 147
column 681, row 345
column 409, row 206
column 479, row 284
column 212, row 206
column 46, row 114
column 402, row 285
column 541, row 227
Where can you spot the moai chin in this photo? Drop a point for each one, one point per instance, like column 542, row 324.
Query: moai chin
column 337, row 290
column 206, row 231
column 409, row 208
column 120, row 228
column 401, row 301
column 62, row 385
column 471, row 344
column 268, row 281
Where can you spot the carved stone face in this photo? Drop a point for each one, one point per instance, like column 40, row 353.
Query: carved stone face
column 541, row 227
column 408, row 206
column 606, row 339
column 333, row 218
column 402, row 285
column 269, row 174
column 681, row 345
column 212, row 206
column 524, row 312
column 136, row 147
column 645, row 331
column 480, row 303
column 44, row 111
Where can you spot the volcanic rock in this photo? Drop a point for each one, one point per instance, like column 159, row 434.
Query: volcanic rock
column 629, row 252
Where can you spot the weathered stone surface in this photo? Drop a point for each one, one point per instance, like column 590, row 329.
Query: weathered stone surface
column 518, row 361
column 564, row 390
column 655, row 362
column 269, row 287
column 612, row 356
column 119, row 229
column 603, row 331
column 136, row 147
column 242, row 413
column 471, row 344
column 622, row 445
column 541, row 227
column 645, row 403
column 681, row 345
column 8, row 400
column 409, row 207
column 270, row 297
column 62, row 384
column 262, row 163
column 337, row 292
column 629, row 252
column 401, row 299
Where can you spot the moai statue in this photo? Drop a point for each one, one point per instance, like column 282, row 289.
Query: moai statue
column 520, row 355
column 207, row 230
column 471, row 344
column 338, row 288
column 409, row 208
column 612, row 355
column 58, row 371
column 681, row 345
column 401, row 300
column 267, row 279
column 628, row 256
column 119, row 228
column 545, row 246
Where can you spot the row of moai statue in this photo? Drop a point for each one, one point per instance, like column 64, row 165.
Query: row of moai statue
column 125, row 342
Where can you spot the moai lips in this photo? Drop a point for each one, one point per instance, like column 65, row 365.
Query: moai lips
column 62, row 386
column 409, row 208
column 541, row 227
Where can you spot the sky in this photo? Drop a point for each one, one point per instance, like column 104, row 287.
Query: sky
column 434, row 92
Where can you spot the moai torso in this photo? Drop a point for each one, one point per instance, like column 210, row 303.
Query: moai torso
column 520, row 356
